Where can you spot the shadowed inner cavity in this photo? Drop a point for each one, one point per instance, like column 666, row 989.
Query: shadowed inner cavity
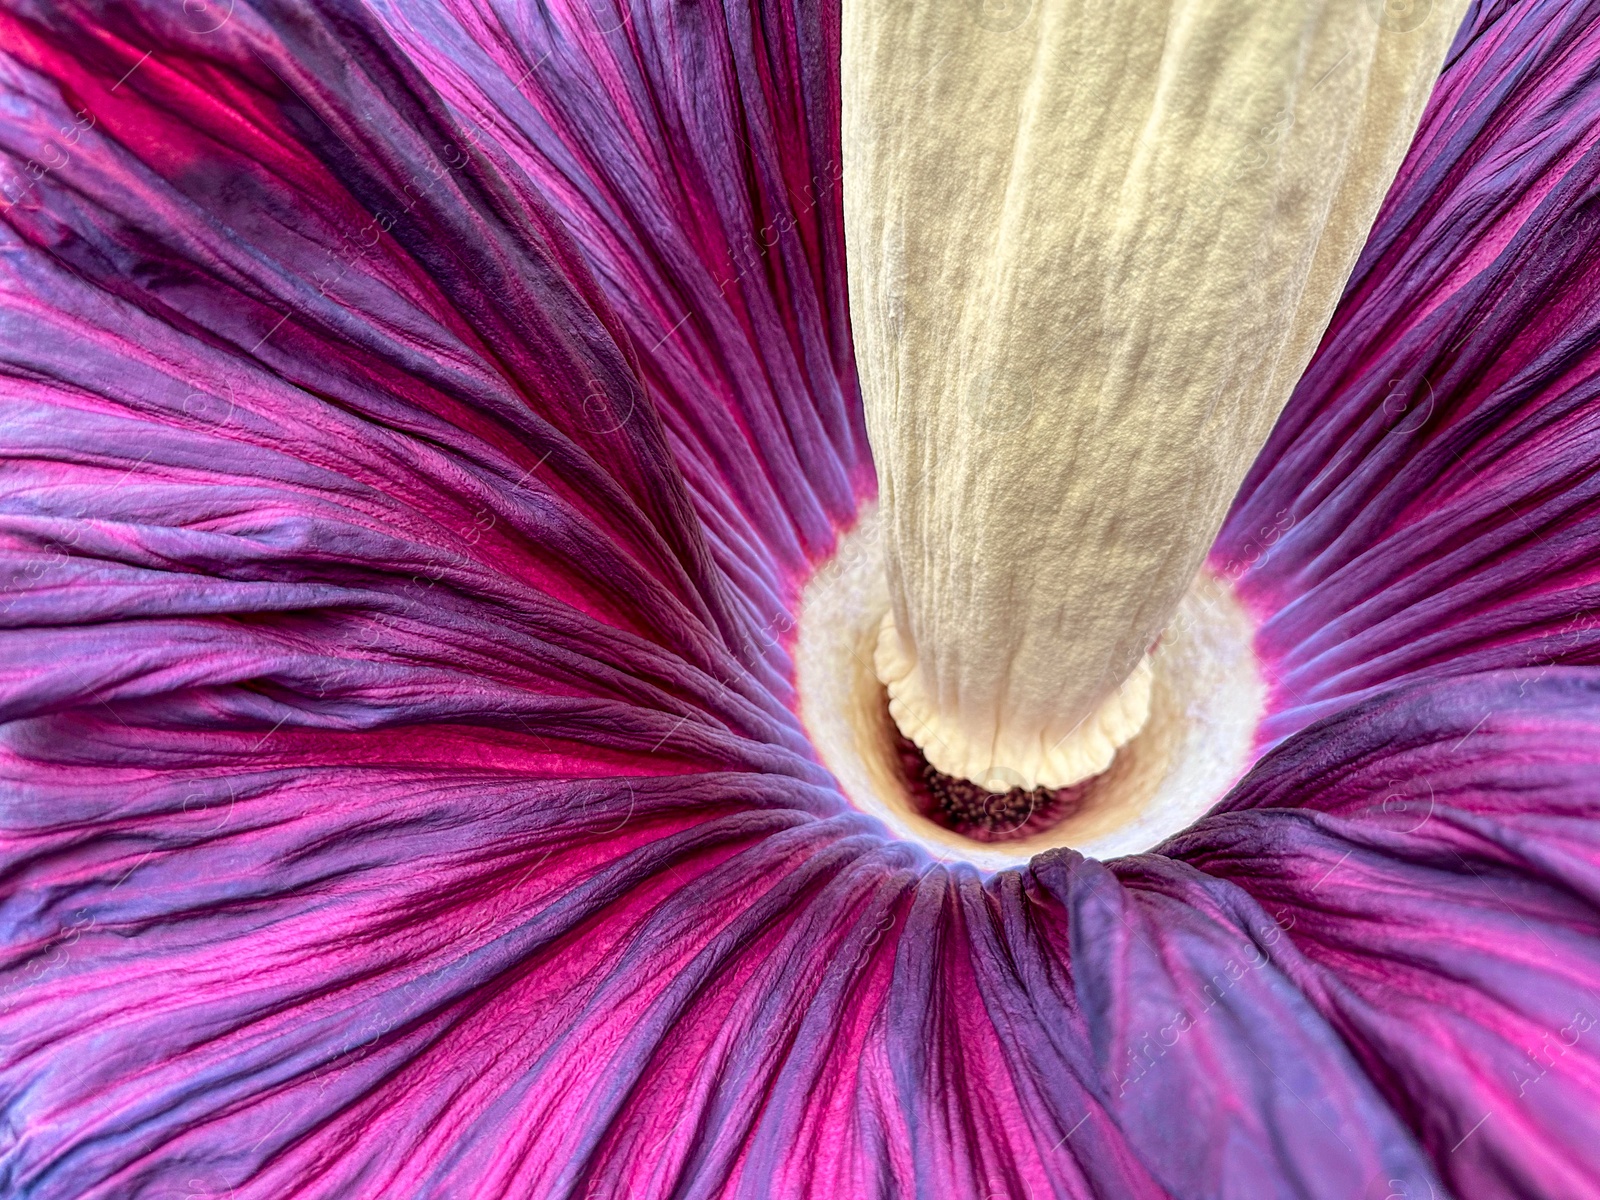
column 975, row 812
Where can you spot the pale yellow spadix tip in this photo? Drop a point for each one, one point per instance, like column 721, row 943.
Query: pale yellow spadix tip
column 1092, row 246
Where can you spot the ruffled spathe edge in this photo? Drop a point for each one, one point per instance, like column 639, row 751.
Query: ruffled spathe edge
column 1433, row 854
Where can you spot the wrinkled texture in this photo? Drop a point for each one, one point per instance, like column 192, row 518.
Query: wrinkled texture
column 1427, row 506
column 1092, row 246
column 416, row 440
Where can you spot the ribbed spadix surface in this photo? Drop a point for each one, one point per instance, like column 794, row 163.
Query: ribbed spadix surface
column 1092, row 247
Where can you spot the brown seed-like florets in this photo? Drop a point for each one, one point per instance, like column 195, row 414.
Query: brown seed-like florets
column 973, row 811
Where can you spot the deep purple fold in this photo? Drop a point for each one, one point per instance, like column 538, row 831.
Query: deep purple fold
column 420, row 422
column 1434, row 855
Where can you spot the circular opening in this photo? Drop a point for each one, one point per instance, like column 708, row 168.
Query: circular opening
column 1206, row 701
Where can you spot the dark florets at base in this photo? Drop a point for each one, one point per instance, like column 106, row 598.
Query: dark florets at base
column 973, row 811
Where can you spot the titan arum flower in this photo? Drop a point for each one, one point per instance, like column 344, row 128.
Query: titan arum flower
column 497, row 707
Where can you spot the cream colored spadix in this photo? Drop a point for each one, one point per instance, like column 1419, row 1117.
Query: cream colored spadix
column 1092, row 245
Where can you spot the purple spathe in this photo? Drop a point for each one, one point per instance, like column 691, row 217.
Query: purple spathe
column 419, row 425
